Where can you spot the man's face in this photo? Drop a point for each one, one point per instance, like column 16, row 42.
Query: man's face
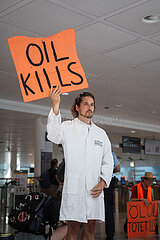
column 86, row 108
column 148, row 181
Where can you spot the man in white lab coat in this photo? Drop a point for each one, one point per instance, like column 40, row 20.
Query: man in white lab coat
column 88, row 164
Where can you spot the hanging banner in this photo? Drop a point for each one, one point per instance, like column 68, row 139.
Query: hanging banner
column 141, row 219
column 42, row 62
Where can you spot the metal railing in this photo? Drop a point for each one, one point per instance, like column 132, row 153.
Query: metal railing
column 7, row 193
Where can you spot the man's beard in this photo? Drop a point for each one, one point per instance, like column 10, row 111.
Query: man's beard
column 85, row 115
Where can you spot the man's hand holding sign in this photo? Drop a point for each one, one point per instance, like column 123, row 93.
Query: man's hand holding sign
column 45, row 62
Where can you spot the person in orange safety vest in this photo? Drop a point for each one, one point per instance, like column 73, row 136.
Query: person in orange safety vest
column 143, row 190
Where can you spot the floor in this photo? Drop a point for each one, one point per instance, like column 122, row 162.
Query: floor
column 120, row 219
column 99, row 231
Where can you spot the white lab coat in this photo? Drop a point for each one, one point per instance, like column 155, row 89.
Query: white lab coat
column 88, row 157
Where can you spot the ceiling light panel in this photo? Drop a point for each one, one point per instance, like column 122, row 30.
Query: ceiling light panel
column 89, row 37
column 98, row 9
column 35, row 18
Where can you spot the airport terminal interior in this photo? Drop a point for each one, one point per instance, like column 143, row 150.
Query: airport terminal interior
column 118, row 48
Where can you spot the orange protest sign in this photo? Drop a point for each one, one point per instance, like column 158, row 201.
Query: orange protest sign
column 42, row 62
column 141, row 219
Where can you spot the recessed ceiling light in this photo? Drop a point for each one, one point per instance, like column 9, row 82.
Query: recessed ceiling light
column 134, row 67
column 65, row 94
column 151, row 19
column 119, row 105
column 133, row 131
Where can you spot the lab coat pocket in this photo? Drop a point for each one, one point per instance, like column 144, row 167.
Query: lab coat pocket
column 72, row 183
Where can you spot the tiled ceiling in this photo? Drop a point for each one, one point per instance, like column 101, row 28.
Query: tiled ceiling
column 119, row 53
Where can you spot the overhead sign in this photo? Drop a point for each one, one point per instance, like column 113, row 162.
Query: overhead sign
column 45, row 62
column 141, row 219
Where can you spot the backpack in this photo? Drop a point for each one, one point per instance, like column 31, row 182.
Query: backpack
column 45, row 180
column 31, row 214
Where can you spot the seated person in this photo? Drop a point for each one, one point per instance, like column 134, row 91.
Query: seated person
column 143, row 190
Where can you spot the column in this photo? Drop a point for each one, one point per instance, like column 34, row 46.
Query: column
column 40, row 130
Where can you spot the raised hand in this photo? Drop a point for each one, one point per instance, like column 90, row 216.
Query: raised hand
column 55, row 96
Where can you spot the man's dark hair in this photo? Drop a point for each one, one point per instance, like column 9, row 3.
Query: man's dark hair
column 54, row 162
column 78, row 101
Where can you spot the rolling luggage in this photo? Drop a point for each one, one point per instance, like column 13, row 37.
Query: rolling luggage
column 35, row 216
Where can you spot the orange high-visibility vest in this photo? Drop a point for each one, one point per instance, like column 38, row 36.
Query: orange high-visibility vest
column 140, row 192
